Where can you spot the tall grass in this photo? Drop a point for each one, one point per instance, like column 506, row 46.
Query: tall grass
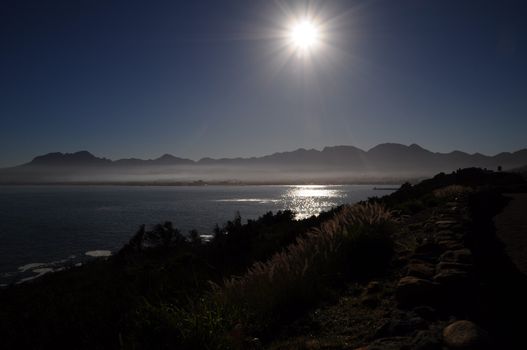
column 356, row 241
column 451, row 191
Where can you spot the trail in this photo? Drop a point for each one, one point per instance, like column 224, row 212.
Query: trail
column 511, row 228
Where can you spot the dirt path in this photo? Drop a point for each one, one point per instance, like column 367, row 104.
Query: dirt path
column 511, row 226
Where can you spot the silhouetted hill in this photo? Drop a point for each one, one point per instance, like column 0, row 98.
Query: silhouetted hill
column 85, row 158
column 338, row 163
column 166, row 159
column 81, row 158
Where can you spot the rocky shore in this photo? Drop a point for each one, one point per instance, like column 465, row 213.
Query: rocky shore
column 451, row 286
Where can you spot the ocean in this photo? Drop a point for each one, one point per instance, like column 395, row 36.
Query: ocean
column 44, row 228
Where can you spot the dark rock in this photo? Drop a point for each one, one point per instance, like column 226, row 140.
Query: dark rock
column 428, row 248
column 421, row 269
column 452, row 277
column 427, row 340
column 412, row 290
column 394, row 343
column 450, row 245
column 463, row 256
column 465, row 335
column 429, row 257
column 444, row 266
column 400, row 261
column 426, row 312
column 447, row 234
column 446, row 223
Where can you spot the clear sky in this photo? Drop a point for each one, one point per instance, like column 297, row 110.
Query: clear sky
column 213, row 78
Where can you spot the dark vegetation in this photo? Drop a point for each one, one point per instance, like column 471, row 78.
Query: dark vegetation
column 169, row 290
column 105, row 303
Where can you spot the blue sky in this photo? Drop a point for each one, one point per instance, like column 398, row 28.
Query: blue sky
column 212, row 78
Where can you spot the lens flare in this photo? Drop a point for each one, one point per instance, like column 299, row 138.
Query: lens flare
column 304, row 35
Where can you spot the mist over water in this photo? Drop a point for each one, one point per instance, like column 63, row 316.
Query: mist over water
column 50, row 226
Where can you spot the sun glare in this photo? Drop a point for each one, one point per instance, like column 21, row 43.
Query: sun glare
column 304, row 35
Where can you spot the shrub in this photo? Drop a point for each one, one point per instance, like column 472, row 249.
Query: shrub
column 451, row 191
column 353, row 241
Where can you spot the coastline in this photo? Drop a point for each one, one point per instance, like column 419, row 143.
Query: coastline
column 421, row 262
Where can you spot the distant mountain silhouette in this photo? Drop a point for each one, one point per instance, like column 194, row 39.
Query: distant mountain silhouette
column 387, row 160
column 85, row 158
column 82, row 158
column 166, row 159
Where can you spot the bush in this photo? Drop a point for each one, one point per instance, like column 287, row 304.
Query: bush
column 452, row 191
column 355, row 242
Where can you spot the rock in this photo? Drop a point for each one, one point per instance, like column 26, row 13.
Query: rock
column 426, row 312
column 449, row 277
column 412, row 290
column 432, row 258
column 402, row 327
column 427, row 340
column 465, row 335
column 463, row 256
column 400, row 261
column 421, row 269
column 394, row 343
column 428, row 248
column 446, row 266
column 445, row 222
column 450, row 244
column 446, row 235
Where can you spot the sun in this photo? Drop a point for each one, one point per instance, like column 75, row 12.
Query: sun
column 304, row 35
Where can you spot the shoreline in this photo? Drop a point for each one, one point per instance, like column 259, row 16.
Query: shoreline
column 203, row 184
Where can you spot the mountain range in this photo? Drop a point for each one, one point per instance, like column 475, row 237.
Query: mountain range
column 388, row 160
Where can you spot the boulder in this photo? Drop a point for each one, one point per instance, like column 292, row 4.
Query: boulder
column 413, row 290
column 448, row 266
column 450, row 244
column 465, row 335
column 443, row 224
column 463, row 256
column 432, row 258
column 452, row 277
column 446, row 222
column 426, row 312
column 394, row 343
column 428, row 248
column 421, row 269
column 446, row 235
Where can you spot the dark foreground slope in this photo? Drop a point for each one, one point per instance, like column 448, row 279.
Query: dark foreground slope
column 395, row 273
column 450, row 284
column 511, row 227
column 108, row 303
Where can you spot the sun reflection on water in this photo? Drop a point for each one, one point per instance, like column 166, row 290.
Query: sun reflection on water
column 308, row 200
